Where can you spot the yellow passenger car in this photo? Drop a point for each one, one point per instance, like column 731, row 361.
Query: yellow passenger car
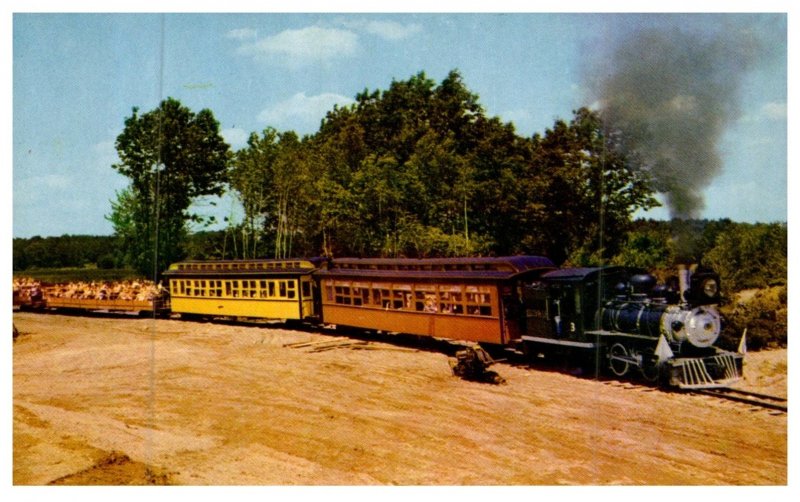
column 265, row 289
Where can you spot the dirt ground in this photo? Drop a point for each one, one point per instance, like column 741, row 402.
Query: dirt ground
column 141, row 401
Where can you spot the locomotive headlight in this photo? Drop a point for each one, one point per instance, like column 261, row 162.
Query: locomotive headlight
column 702, row 326
column 710, row 287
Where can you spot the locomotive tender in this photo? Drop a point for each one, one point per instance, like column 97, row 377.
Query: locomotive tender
column 615, row 318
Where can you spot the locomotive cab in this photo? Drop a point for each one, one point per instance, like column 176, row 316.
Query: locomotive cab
column 563, row 305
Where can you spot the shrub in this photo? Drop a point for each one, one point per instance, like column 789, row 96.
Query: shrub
column 764, row 315
column 106, row 262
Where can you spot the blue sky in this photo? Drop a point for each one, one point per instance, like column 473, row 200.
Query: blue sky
column 76, row 77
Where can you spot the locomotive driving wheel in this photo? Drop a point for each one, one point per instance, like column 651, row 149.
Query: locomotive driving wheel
column 617, row 363
column 650, row 369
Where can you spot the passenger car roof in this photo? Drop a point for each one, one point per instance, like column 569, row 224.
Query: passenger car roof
column 580, row 274
column 437, row 268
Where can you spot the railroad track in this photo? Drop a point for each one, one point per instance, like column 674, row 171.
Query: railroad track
column 762, row 401
column 752, row 398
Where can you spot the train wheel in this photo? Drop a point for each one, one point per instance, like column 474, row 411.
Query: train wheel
column 650, row 370
column 618, row 366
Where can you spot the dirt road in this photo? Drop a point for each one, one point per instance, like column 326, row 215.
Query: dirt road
column 133, row 401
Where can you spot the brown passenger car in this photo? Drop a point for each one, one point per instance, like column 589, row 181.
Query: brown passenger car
column 474, row 299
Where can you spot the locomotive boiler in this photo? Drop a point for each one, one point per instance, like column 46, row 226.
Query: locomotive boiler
column 642, row 308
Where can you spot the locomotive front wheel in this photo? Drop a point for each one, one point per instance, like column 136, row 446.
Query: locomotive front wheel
column 618, row 366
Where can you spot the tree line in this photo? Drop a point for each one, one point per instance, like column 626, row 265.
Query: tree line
column 65, row 251
column 415, row 170
column 746, row 255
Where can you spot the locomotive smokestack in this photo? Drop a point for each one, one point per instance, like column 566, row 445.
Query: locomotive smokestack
column 685, row 278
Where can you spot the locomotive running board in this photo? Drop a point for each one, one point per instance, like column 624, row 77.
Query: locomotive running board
column 617, row 334
column 568, row 343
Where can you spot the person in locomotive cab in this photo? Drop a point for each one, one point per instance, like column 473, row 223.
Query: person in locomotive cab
column 557, row 317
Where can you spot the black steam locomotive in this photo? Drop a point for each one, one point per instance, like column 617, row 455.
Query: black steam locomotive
column 627, row 322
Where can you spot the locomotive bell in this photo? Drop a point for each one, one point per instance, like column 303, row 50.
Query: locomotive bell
column 621, row 290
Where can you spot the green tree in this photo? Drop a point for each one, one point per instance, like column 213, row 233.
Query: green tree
column 209, row 245
column 250, row 176
column 646, row 248
column 171, row 156
column 592, row 189
column 271, row 178
column 291, row 186
column 750, row 255
column 412, row 170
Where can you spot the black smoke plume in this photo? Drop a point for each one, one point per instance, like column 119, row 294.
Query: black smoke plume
column 673, row 93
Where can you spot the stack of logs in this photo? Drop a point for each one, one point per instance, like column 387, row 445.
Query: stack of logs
column 137, row 290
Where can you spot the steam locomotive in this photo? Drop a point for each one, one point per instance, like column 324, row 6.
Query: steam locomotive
column 628, row 323
column 616, row 318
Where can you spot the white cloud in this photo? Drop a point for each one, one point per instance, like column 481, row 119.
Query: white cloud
column 774, row 111
column 235, row 137
column 597, row 105
column 317, row 44
column 390, row 30
column 301, row 113
column 305, row 46
column 242, row 33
